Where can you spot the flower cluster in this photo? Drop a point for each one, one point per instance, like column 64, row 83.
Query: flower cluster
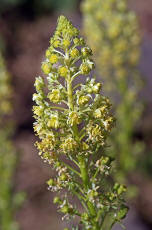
column 112, row 32
column 73, row 121
column 5, row 89
column 7, row 154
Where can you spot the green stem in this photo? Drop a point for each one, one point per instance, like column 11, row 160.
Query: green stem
column 56, row 107
column 71, row 106
column 82, row 162
column 107, row 222
column 75, row 75
column 84, row 171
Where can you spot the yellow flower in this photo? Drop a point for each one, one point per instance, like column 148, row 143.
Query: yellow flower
column 54, row 96
column 56, row 43
column 63, row 71
column 74, row 118
column 97, row 113
column 53, row 59
column 66, row 43
column 48, row 53
column 83, row 100
column 96, row 88
column 38, row 110
column 68, row 144
column 85, row 146
column 53, row 122
column 74, row 53
column 46, row 68
column 86, row 51
column 84, row 68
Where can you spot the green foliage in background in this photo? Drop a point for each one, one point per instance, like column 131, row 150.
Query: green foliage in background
column 7, row 4
column 55, row 4
column 112, row 32
column 38, row 6
column 73, row 121
column 7, row 155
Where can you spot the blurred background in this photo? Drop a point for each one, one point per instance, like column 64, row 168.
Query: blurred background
column 25, row 29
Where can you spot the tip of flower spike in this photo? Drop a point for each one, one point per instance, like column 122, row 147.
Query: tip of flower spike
column 62, row 19
column 65, row 26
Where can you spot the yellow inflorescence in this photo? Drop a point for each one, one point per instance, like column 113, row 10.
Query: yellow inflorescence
column 112, row 32
column 73, row 121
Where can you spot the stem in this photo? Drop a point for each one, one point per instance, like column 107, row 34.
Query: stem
column 75, row 75
column 96, row 173
column 107, row 222
column 71, row 106
column 82, row 161
column 70, row 95
column 59, row 53
column 76, row 86
column 84, row 171
column 55, row 107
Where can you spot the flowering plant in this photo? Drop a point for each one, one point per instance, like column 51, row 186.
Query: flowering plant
column 73, row 121
column 8, row 158
column 115, row 42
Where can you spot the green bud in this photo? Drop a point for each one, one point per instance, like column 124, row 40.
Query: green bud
column 63, row 71
column 50, row 182
column 65, row 209
column 57, row 200
column 46, row 68
column 86, row 51
column 63, row 177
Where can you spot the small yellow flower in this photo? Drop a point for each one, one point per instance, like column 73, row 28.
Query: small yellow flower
column 63, row 71
column 56, row 43
column 76, row 41
column 54, row 96
column 96, row 88
column 68, row 144
column 86, row 51
column 53, row 122
column 83, row 100
column 38, row 110
column 46, row 68
column 85, row 146
column 74, row 118
column 39, row 83
column 66, row 43
column 97, row 113
column 48, row 53
column 53, row 59
column 74, row 53
column 84, row 68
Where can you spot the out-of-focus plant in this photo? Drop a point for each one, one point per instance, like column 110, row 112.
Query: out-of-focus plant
column 7, row 4
column 55, row 4
column 73, row 121
column 8, row 201
column 37, row 6
column 112, row 32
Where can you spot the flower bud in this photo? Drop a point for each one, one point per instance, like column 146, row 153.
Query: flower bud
column 63, row 71
column 46, row 68
column 53, row 59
